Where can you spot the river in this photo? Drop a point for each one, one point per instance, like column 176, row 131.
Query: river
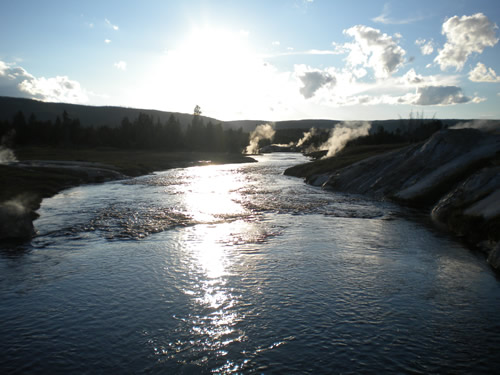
column 240, row 269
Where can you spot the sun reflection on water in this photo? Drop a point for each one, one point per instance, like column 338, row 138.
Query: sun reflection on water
column 218, row 247
column 211, row 192
column 211, row 195
column 213, row 323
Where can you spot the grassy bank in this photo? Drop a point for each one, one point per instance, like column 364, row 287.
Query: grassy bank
column 32, row 184
column 347, row 156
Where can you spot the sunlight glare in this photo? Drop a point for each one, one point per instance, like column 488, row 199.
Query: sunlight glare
column 217, row 69
column 211, row 193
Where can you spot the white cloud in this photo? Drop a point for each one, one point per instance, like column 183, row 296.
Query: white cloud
column 313, row 80
column 54, row 89
column 340, row 49
column 478, row 99
column 312, row 52
column 121, row 65
column 465, row 35
column 320, row 52
column 426, row 47
column 412, row 78
column 386, row 19
column 373, row 100
column 114, row 27
column 440, row 95
column 410, row 89
column 374, row 49
column 483, row 74
column 3, row 68
column 10, row 78
column 275, row 43
column 107, row 41
column 17, row 82
column 359, row 73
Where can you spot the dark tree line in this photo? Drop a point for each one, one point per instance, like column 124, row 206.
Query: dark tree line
column 409, row 131
column 144, row 132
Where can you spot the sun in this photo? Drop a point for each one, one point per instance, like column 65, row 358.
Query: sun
column 215, row 68
column 218, row 64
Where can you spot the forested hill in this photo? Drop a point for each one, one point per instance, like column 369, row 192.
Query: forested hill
column 88, row 115
column 113, row 116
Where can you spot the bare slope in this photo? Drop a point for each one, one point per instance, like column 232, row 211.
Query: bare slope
column 454, row 173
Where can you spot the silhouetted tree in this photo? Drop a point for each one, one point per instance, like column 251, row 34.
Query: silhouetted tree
column 197, row 111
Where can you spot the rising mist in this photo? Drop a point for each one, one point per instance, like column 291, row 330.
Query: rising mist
column 264, row 131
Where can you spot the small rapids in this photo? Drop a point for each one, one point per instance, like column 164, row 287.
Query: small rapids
column 233, row 193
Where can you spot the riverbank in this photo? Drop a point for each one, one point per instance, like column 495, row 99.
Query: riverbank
column 43, row 172
column 454, row 176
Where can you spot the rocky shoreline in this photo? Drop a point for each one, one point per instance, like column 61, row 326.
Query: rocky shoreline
column 454, row 175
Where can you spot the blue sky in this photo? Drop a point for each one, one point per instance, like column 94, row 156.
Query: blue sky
column 270, row 60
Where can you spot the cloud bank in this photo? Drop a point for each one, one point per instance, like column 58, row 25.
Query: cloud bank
column 440, row 95
column 17, row 82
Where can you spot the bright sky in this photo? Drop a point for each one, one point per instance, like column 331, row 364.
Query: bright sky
column 259, row 59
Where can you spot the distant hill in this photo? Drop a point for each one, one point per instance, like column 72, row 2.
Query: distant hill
column 88, row 115
column 388, row 125
column 113, row 116
column 249, row 125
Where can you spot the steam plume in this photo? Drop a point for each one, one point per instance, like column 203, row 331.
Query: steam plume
column 6, row 154
column 343, row 133
column 16, row 219
column 484, row 125
column 307, row 136
column 264, row 131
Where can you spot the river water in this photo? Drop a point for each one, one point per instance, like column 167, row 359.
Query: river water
column 239, row 269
